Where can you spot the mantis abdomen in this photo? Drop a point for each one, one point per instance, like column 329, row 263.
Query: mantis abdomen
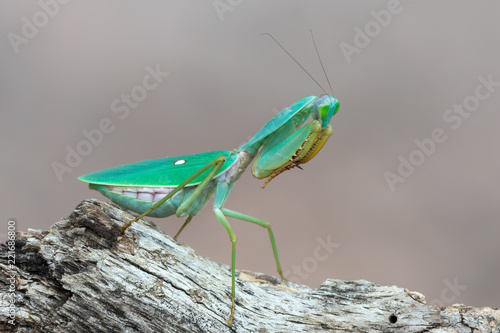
column 140, row 199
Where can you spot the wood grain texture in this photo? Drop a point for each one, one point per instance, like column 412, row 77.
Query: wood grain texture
column 81, row 275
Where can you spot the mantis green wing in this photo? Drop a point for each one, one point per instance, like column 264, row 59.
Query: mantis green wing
column 139, row 186
column 166, row 171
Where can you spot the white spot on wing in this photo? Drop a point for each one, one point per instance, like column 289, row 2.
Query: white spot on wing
column 179, row 162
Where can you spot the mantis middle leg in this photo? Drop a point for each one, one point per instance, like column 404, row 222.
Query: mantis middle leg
column 221, row 214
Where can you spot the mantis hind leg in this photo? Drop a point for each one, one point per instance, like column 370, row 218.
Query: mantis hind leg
column 183, row 226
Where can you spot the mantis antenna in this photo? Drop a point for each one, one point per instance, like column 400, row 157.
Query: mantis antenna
column 321, row 62
column 319, row 85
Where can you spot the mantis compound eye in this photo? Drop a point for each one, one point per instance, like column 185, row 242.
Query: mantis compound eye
column 324, row 108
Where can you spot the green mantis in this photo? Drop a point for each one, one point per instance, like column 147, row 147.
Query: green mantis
column 182, row 185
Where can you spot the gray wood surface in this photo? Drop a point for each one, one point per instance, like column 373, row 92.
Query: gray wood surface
column 81, row 275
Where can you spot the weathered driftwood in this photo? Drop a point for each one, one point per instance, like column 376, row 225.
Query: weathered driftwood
column 81, row 275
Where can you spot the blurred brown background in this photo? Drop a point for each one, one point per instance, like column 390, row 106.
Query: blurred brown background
column 64, row 68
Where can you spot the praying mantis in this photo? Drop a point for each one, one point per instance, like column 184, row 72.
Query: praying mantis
column 182, row 185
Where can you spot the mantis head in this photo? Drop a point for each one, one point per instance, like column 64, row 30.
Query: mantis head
column 324, row 108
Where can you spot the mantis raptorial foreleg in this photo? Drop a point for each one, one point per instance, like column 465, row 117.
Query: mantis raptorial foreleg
column 215, row 165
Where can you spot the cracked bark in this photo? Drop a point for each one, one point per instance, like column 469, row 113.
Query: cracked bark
column 82, row 275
